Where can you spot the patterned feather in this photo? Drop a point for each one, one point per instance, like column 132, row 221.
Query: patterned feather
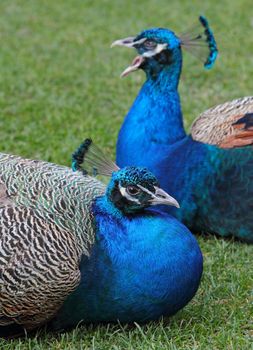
column 46, row 226
column 227, row 125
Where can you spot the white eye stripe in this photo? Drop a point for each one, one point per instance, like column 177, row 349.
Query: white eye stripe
column 127, row 196
column 147, row 191
column 159, row 48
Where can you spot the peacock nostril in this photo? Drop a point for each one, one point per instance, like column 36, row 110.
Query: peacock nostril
column 159, row 195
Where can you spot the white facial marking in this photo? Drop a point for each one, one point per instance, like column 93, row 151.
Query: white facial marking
column 147, row 191
column 127, row 196
column 159, row 48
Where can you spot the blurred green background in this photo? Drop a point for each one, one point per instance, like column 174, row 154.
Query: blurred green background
column 59, row 83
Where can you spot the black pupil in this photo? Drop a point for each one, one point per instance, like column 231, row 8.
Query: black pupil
column 132, row 190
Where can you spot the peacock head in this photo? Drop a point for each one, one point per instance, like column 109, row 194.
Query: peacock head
column 132, row 189
column 159, row 48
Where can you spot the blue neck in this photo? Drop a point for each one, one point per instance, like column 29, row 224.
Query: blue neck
column 154, row 120
column 162, row 100
column 167, row 77
column 163, row 105
column 105, row 205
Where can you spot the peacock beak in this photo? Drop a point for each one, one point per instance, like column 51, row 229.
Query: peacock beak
column 127, row 42
column 131, row 43
column 162, row 197
column 159, row 197
column 137, row 62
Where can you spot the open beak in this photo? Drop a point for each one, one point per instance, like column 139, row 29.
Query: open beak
column 137, row 62
column 131, row 43
column 162, row 197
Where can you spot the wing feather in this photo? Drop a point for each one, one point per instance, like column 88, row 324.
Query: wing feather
column 39, row 267
column 46, row 226
column 228, row 125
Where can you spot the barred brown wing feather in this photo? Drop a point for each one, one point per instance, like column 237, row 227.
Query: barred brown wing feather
column 228, row 125
column 59, row 194
column 46, row 225
column 39, row 267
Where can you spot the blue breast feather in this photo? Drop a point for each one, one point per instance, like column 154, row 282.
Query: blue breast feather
column 135, row 275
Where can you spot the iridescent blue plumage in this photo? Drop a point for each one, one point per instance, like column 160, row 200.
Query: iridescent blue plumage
column 213, row 185
column 143, row 264
column 140, row 268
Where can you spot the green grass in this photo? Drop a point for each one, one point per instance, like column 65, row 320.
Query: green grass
column 59, row 83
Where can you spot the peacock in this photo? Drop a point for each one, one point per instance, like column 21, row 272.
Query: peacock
column 73, row 249
column 209, row 171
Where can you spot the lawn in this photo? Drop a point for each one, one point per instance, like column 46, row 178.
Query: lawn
column 59, row 83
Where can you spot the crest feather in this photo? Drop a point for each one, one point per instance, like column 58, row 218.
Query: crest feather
column 200, row 41
column 90, row 160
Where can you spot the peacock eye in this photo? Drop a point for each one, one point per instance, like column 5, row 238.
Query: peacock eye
column 133, row 190
column 149, row 44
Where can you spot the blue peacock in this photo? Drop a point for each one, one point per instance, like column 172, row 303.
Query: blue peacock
column 72, row 249
column 209, row 171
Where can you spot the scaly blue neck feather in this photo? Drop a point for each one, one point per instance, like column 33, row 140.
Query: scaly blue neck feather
column 108, row 207
column 160, row 96
column 155, row 119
